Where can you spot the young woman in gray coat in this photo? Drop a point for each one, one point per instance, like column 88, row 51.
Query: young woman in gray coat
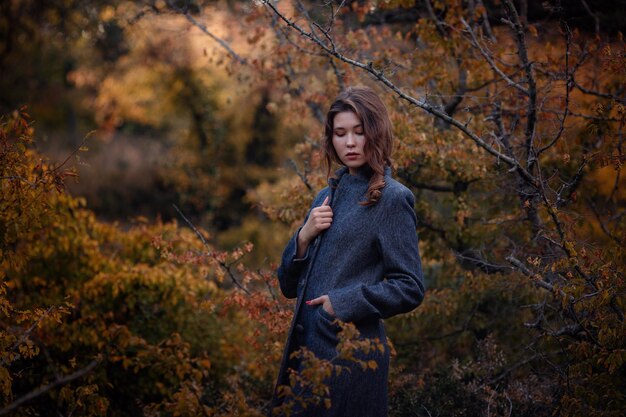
column 354, row 259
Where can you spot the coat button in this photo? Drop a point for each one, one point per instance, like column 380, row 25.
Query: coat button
column 299, row 328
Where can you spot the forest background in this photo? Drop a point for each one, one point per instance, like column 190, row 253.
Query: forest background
column 155, row 156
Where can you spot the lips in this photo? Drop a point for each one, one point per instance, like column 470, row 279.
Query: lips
column 352, row 155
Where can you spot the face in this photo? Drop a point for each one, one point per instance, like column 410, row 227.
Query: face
column 349, row 140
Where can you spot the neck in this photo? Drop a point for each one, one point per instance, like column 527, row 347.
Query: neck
column 363, row 171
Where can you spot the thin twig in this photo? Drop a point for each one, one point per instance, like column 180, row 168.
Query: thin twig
column 76, row 149
column 421, row 103
column 204, row 29
column 27, row 333
column 531, row 117
column 18, row 178
column 45, row 388
column 303, row 175
column 557, row 136
column 600, row 94
column 606, row 231
column 489, row 60
column 226, row 267
column 538, row 280
column 594, row 16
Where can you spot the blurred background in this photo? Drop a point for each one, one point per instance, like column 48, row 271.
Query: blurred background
column 161, row 113
column 116, row 113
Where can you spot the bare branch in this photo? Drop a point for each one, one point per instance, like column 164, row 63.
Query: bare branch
column 486, row 25
column 442, row 188
column 594, row 16
column 538, row 280
column 602, row 225
column 18, row 178
column 302, row 175
column 513, row 367
column 471, row 257
column 204, row 29
column 27, row 333
column 518, row 29
column 226, row 267
column 423, row 104
column 459, row 94
column 290, row 75
column 572, row 330
column 490, row 61
column 502, row 134
column 559, row 112
column 338, row 75
column 45, row 388
column 620, row 156
column 596, row 93
column 565, row 194
column 568, row 40
column 431, row 13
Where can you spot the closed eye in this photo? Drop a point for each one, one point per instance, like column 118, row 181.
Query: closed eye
column 358, row 130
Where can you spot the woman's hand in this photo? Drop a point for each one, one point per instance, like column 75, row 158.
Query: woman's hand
column 325, row 302
column 319, row 220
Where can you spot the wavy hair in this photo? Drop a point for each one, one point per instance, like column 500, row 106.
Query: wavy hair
column 372, row 113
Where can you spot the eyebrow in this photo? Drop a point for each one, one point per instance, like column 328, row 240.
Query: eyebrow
column 353, row 127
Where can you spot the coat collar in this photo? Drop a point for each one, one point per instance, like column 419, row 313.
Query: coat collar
column 363, row 175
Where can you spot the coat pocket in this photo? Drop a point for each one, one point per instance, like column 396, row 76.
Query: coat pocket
column 326, row 315
column 326, row 327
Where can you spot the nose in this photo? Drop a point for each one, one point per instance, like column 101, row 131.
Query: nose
column 351, row 142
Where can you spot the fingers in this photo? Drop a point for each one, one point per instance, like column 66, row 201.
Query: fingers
column 324, row 300
column 322, row 216
column 316, row 301
column 322, row 222
column 320, row 219
column 324, row 208
column 329, row 308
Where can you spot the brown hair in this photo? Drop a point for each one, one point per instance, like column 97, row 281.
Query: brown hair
column 372, row 113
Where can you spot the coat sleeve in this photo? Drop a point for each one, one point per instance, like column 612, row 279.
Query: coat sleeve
column 290, row 270
column 402, row 287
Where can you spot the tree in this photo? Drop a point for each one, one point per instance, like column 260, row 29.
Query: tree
column 509, row 123
column 522, row 132
column 515, row 161
column 97, row 319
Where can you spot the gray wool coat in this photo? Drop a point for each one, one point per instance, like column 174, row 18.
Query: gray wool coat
column 369, row 265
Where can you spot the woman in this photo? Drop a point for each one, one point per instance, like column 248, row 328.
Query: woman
column 355, row 258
